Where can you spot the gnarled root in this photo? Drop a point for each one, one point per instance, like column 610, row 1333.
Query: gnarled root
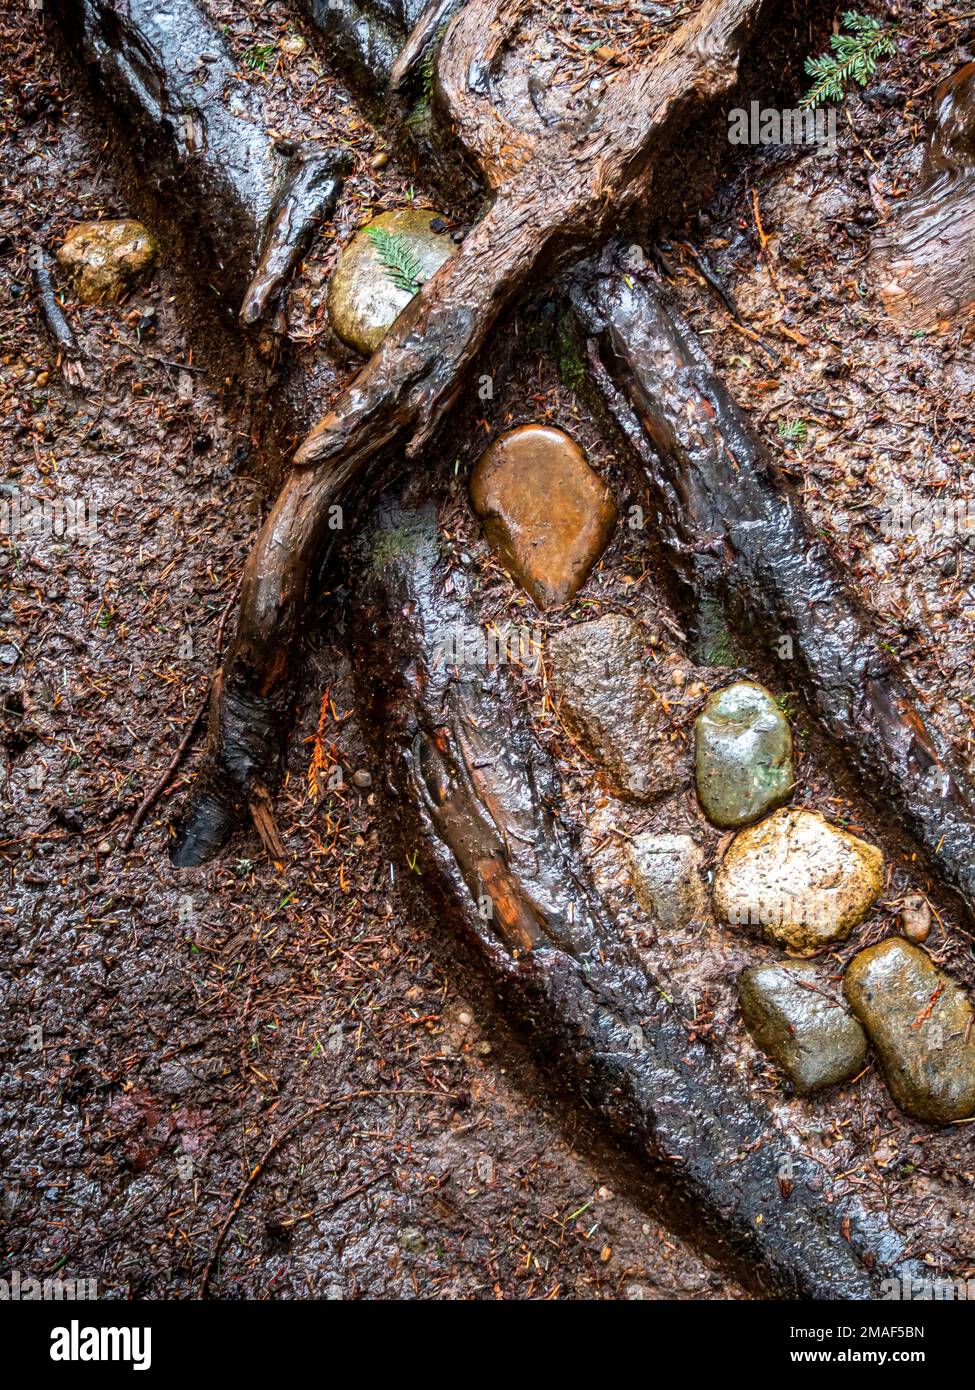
column 472, row 792
column 738, row 539
column 544, row 209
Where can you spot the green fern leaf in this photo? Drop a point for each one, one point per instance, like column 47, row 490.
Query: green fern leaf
column 398, row 259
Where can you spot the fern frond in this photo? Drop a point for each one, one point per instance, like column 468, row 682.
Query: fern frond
column 398, row 259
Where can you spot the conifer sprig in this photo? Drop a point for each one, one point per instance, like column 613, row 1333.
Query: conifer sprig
column 853, row 58
column 399, row 260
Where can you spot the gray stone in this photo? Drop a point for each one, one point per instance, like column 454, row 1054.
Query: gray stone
column 665, row 871
column 920, row 1022
column 743, row 755
column 798, row 879
column 811, row 1035
column 604, row 694
column 364, row 300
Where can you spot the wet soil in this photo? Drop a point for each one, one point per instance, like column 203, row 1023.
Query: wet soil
column 188, row 1021
column 163, row 1033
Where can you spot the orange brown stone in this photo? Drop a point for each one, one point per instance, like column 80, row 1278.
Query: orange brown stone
column 546, row 513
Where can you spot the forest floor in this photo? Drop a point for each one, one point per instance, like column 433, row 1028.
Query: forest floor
column 160, row 1033
column 195, row 1024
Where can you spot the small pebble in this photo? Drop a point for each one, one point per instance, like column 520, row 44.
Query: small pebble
column 362, row 778
column 915, row 919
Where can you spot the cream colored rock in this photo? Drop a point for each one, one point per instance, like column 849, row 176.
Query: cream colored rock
column 798, row 880
column 366, row 294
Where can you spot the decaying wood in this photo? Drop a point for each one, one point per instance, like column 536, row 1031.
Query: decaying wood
column 471, row 791
column 431, row 20
column 740, row 545
column 200, row 138
column 925, row 262
column 307, row 198
column 54, row 318
column 552, row 196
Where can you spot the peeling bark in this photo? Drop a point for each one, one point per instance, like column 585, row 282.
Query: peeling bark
column 739, row 541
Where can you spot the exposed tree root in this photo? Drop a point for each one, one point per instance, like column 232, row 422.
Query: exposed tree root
column 740, row 544
column 202, row 141
column 471, row 790
column 926, row 260
column 308, row 197
column 554, row 193
column 421, row 36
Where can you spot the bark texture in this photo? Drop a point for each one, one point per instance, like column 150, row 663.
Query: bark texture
column 739, row 542
column 200, row 140
column 471, row 791
column 555, row 191
column 926, row 260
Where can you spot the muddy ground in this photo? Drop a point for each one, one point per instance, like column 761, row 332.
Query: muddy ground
column 188, row 1021
column 194, row 1025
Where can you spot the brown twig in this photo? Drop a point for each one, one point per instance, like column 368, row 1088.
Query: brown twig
column 159, row 786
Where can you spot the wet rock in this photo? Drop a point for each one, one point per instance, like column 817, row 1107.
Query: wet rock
column 915, row 916
column 809, row 1033
column 799, row 879
column 743, row 755
column 545, row 511
column 607, row 700
column 920, row 1022
column 106, row 258
column 411, row 1240
column 366, row 292
column 665, row 871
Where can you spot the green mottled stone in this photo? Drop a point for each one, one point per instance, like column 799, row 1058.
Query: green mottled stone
column 743, row 751
column 920, row 1022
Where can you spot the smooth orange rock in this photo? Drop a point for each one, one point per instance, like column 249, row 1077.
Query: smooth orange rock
column 544, row 510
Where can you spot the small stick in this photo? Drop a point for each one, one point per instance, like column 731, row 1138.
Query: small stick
column 252, row 1178
column 156, row 791
column 54, row 318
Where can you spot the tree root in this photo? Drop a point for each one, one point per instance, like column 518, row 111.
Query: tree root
column 925, row 263
column 472, row 791
column 551, row 199
column 740, row 544
column 54, row 319
column 202, row 141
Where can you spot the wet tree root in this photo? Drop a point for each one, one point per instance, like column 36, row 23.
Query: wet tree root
column 54, row 319
column 925, row 262
column 554, row 193
column 201, row 141
column 471, row 791
column 740, row 545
